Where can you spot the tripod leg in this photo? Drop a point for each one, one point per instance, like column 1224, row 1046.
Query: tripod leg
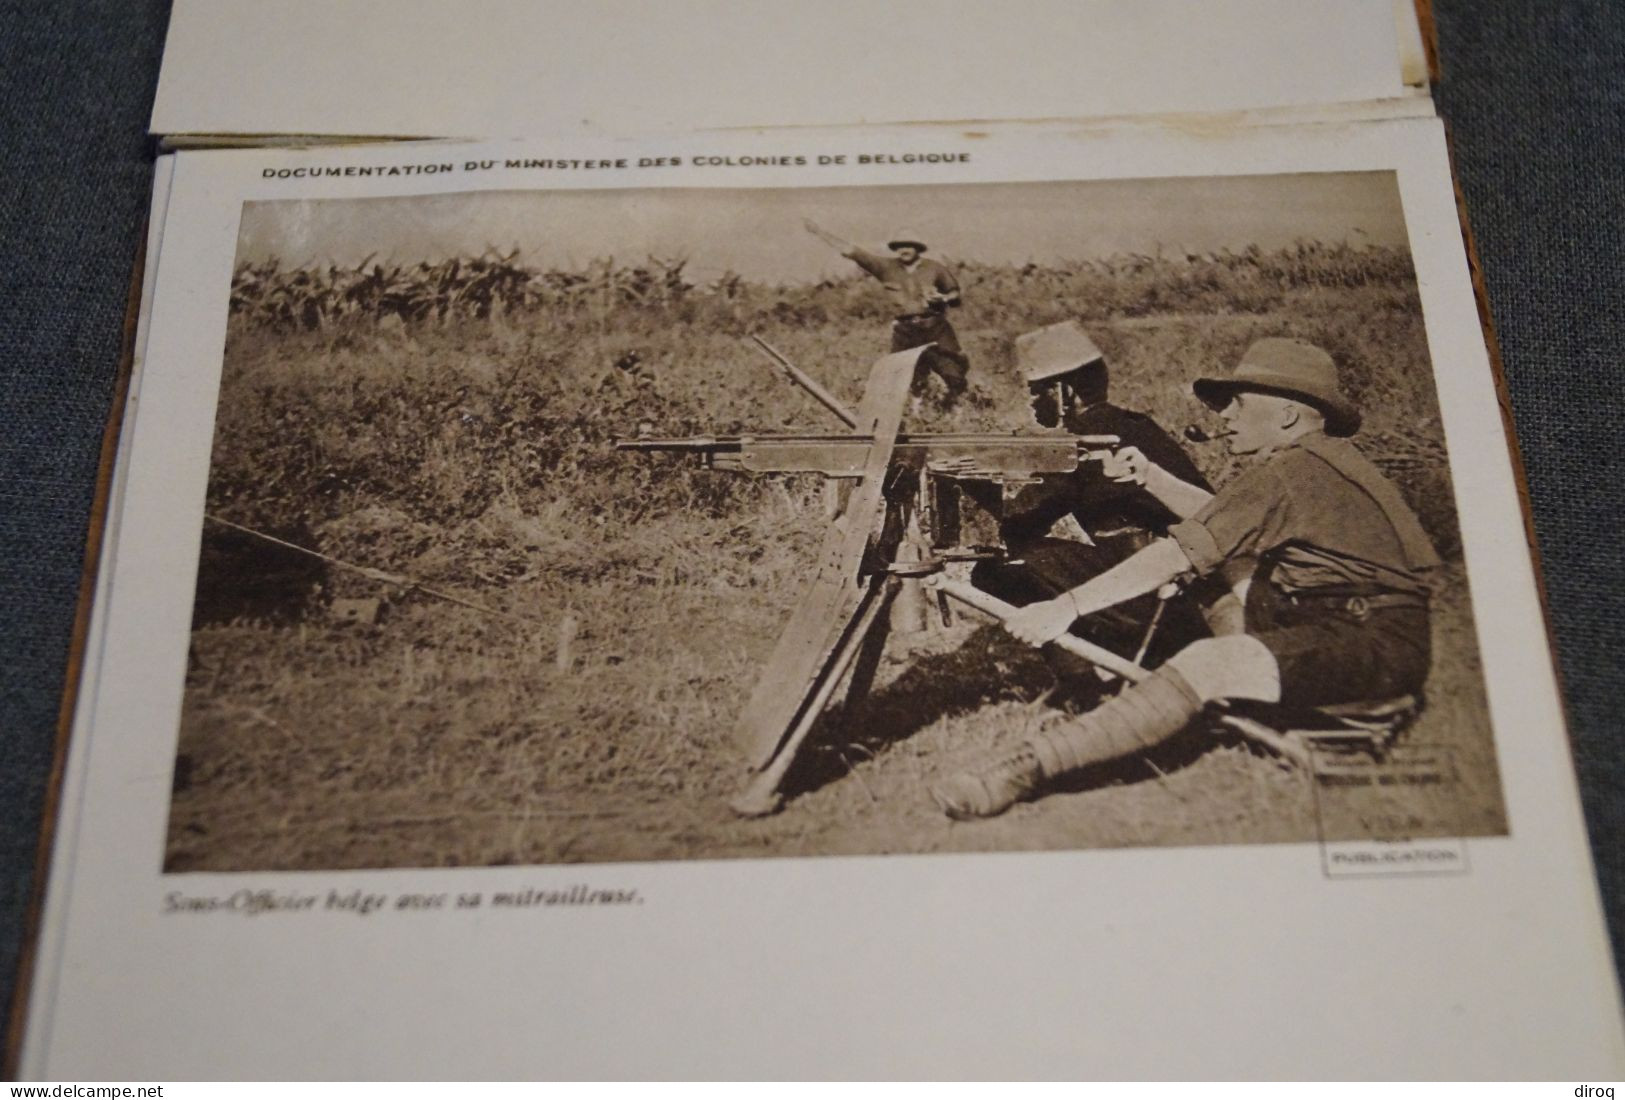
column 761, row 795
column 867, row 662
column 818, row 623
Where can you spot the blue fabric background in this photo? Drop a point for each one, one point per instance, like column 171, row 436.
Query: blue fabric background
column 1533, row 90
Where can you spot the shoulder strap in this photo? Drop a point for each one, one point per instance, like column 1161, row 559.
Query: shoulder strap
column 1346, row 459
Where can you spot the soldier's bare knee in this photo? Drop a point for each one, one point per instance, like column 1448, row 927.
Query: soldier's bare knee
column 1232, row 667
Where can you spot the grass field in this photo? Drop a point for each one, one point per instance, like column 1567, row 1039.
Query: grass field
column 462, row 439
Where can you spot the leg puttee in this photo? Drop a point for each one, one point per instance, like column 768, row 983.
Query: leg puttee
column 1141, row 717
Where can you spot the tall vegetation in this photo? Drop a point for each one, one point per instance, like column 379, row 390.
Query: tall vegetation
column 316, row 297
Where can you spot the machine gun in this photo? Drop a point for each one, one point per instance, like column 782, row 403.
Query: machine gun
column 916, row 502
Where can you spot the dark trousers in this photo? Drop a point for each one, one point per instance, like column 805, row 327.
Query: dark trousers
column 1341, row 648
column 946, row 360
column 1049, row 567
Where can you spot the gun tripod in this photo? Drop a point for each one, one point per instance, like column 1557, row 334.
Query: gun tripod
column 874, row 549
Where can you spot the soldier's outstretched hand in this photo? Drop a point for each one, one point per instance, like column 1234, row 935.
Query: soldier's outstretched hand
column 828, row 238
column 1041, row 623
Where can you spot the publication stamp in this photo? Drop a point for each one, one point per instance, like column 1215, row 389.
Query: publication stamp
column 1381, row 816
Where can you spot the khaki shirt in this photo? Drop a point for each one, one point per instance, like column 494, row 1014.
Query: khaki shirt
column 1327, row 518
column 908, row 285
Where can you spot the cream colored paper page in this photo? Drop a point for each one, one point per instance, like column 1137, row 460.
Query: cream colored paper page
column 430, row 846
column 1413, row 59
column 506, row 68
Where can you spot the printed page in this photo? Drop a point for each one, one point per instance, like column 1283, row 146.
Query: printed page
column 515, row 68
column 589, row 609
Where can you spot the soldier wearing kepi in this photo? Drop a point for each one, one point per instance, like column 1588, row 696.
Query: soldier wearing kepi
column 922, row 291
column 1107, row 498
column 1337, row 609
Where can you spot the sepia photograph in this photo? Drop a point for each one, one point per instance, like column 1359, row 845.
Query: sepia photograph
column 588, row 526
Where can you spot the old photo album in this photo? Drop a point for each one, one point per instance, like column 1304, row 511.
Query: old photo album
column 1042, row 601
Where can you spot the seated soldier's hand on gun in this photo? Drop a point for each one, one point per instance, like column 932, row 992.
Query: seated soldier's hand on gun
column 1041, row 623
column 1128, row 465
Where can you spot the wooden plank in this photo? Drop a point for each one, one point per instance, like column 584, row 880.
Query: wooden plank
column 761, row 795
column 788, row 681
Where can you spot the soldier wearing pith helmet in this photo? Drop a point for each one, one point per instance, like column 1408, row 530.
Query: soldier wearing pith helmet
column 1337, row 606
column 1067, row 380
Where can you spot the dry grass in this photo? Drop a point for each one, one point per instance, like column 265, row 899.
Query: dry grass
column 472, row 453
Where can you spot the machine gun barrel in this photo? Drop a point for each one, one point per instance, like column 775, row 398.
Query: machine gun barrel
column 698, row 444
column 844, row 455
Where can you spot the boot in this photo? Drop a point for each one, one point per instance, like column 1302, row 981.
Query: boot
column 1143, row 716
column 992, row 788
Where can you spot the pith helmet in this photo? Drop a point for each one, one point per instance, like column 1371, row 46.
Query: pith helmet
column 1291, row 368
column 1055, row 350
column 905, row 237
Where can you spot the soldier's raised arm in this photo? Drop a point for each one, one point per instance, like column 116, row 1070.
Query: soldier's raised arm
column 845, row 248
column 871, row 263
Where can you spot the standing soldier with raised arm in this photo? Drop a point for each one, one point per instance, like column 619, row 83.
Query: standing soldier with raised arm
column 1336, row 612
column 922, row 292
